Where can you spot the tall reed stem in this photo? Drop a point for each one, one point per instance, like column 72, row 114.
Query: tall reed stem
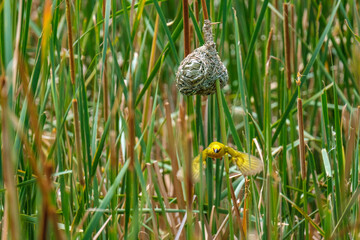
column 287, row 45
column 226, row 158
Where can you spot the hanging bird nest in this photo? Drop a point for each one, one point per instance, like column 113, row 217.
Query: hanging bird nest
column 198, row 72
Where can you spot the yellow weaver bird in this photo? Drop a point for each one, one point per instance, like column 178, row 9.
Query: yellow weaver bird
column 247, row 164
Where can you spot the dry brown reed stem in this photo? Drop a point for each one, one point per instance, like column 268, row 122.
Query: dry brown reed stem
column 43, row 225
column 203, row 4
column 131, row 122
column 212, row 214
column 78, row 142
column 101, row 180
column 47, row 211
column 186, row 41
column 208, row 234
column 11, row 198
column 132, row 9
column 165, row 196
column 237, row 212
column 185, row 149
column 172, row 153
column 351, row 127
column 70, row 42
column 104, row 78
column 153, row 44
column 220, row 229
column 197, row 10
column 301, row 138
column 348, row 138
column 32, row 112
column 151, row 193
column 186, row 27
column 44, row 185
column 72, row 77
column 245, row 210
column 131, row 110
column 147, row 107
column 4, row 224
column 113, row 153
column 106, row 94
column 113, row 111
column 17, row 45
column 268, row 45
column 293, row 39
column 287, row 45
column 188, row 161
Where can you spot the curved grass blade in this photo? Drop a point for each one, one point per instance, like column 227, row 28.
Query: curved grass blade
column 167, row 31
column 95, row 219
column 357, row 37
column 255, row 34
column 321, row 231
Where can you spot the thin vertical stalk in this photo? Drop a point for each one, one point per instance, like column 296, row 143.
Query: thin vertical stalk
column 78, row 143
column 151, row 64
column 338, row 158
column 184, row 148
column 287, row 45
column 104, row 77
column 267, row 225
column 113, row 173
column 226, row 158
column 301, row 138
column 187, row 100
column 268, row 45
column 151, row 191
column 164, row 195
column 302, row 158
column 186, row 27
column 237, row 213
column 293, row 39
column 70, row 42
column 131, row 121
column 17, row 43
column 205, row 11
column 11, row 196
column 172, row 154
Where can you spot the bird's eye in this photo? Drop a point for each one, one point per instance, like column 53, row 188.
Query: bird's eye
column 216, row 150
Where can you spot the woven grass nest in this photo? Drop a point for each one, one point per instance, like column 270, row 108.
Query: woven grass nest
column 198, row 72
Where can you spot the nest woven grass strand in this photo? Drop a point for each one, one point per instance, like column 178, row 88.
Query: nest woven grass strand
column 198, row 72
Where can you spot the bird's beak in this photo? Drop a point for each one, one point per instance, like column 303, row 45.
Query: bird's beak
column 216, row 150
column 214, row 23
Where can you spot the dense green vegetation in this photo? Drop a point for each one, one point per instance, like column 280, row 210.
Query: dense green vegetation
column 94, row 131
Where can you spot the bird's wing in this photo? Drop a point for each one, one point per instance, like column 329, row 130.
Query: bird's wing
column 248, row 164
